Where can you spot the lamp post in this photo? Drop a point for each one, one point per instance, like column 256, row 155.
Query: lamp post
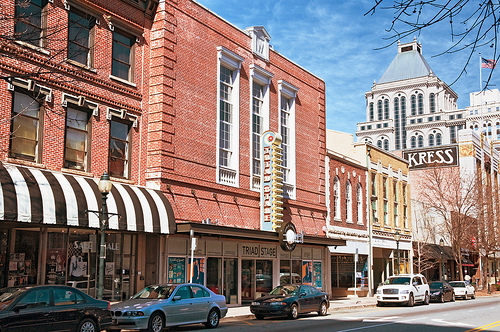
column 104, row 187
column 441, row 244
column 397, row 237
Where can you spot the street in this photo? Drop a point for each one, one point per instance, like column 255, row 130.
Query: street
column 481, row 314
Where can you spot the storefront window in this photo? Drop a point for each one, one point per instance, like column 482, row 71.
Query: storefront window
column 264, row 277
column 55, row 261
column 343, row 271
column 296, row 270
column 318, row 276
column 307, row 272
column 4, row 238
column 23, row 262
column 198, row 270
column 214, row 274
column 285, row 271
column 81, row 261
column 176, row 270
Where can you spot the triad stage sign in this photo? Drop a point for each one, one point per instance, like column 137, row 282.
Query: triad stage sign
column 271, row 186
column 439, row 156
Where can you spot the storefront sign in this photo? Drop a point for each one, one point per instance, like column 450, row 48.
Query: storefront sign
column 287, row 236
column 271, row 199
column 432, row 157
column 258, row 250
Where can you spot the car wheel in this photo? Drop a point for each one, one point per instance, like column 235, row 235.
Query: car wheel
column 87, row 325
column 380, row 304
column 427, row 298
column 259, row 317
column 441, row 298
column 453, row 297
column 323, row 310
column 213, row 319
column 411, row 300
column 155, row 323
column 294, row 311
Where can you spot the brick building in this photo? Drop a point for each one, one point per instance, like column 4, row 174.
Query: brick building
column 171, row 101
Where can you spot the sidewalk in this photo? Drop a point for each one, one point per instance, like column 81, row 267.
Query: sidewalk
column 335, row 304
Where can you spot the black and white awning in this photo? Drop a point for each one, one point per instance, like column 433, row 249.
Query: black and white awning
column 39, row 196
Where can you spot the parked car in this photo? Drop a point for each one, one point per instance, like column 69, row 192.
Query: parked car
column 441, row 291
column 404, row 289
column 290, row 300
column 166, row 305
column 51, row 308
column 463, row 289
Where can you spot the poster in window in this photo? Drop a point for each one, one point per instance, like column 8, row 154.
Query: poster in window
column 307, row 272
column 110, row 268
column 198, row 271
column 318, row 280
column 176, row 270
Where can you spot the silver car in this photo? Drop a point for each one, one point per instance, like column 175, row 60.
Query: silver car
column 159, row 306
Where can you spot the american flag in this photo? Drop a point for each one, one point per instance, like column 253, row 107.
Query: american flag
column 485, row 63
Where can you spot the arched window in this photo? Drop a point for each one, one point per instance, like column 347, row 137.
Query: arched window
column 379, row 143
column 359, row 200
column 371, row 112
column 431, row 140
column 386, row 144
column 420, row 104
column 489, row 129
column 379, row 110
column 386, row 109
column 397, row 132
column 336, row 198
column 348, row 201
column 413, row 105
column 420, row 141
column 413, row 142
column 439, row 139
column 403, row 121
column 432, row 102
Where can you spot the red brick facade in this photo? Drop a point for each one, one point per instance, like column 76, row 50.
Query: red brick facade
column 174, row 95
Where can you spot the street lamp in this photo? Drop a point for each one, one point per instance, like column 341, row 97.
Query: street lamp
column 397, row 237
column 104, row 187
column 441, row 244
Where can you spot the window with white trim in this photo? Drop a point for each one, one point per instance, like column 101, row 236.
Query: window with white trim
column 30, row 21
column 288, row 93
column 26, row 127
column 122, row 65
column 359, row 209
column 120, row 138
column 77, row 139
column 81, row 31
column 228, row 117
column 348, row 201
column 261, row 79
column 336, row 198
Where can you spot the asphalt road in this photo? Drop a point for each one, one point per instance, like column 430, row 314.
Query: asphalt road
column 481, row 314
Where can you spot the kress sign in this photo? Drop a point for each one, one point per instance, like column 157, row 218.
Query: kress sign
column 432, row 157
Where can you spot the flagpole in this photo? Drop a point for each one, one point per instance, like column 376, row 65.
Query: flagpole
column 481, row 92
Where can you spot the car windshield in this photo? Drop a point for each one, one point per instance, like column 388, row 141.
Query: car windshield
column 7, row 295
column 285, row 290
column 436, row 285
column 155, row 292
column 398, row 281
column 457, row 284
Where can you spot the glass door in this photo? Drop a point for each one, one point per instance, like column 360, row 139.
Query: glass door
column 214, row 274
column 247, row 280
column 231, row 280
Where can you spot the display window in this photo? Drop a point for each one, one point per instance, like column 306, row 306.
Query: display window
column 55, row 258
column 23, row 261
column 176, row 270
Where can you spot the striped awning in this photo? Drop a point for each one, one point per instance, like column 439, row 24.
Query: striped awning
column 37, row 196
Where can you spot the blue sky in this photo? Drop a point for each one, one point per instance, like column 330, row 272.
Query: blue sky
column 335, row 41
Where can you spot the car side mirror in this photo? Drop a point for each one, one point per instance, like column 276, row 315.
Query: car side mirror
column 19, row 307
column 177, row 298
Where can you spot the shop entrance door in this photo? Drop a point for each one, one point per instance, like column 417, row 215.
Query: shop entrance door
column 231, row 280
column 152, row 245
column 247, row 280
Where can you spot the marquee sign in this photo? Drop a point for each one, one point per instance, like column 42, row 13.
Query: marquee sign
column 441, row 156
column 271, row 187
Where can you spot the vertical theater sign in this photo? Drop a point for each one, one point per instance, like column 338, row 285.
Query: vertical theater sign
column 271, row 189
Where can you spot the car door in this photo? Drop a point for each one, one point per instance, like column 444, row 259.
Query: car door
column 313, row 298
column 201, row 302
column 304, row 299
column 66, row 310
column 180, row 309
column 32, row 313
column 418, row 286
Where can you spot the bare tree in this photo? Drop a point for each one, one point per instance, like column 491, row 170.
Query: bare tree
column 473, row 25
column 424, row 233
column 452, row 198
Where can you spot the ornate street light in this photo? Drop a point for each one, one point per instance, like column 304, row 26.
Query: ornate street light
column 104, row 187
column 397, row 237
column 441, row 244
